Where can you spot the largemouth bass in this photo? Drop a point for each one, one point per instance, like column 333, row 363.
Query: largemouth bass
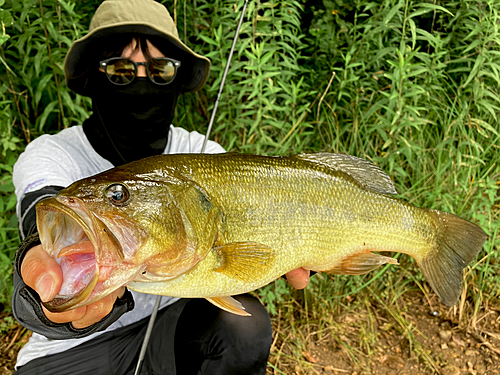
column 212, row 226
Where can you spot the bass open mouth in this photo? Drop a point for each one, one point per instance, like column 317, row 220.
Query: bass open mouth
column 89, row 250
column 67, row 235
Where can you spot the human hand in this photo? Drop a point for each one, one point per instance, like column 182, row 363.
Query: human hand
column 298, row 278
column 42, row 273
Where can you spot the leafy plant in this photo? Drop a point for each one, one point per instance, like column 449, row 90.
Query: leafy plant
column 411, row 85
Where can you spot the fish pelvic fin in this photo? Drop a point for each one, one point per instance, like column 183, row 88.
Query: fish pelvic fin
column 243, row 260
column 229, row 304
column 458, row 243
column 361, row 263
column 365, row 172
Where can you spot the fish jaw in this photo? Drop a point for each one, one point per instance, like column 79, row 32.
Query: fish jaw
column 60, row 226
column 85, row 248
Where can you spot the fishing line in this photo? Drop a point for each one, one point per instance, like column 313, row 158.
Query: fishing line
column 207, row 135
column 145, row 342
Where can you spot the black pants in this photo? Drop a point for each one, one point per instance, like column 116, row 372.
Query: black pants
column 189, row 337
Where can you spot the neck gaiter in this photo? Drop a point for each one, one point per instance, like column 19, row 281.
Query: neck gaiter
column 130, row 122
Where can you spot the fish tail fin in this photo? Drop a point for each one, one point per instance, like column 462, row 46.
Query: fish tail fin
column 458, row 243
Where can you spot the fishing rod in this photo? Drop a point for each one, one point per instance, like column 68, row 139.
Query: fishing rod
column 152, row 319
column 212, row 117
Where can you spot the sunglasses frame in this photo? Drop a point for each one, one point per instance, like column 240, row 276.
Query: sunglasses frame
column 104, row 63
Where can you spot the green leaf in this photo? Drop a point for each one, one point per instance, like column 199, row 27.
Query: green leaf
column 46, row 112
column 3, row 39
column 477, row 65
column 392, row 12
column 5, row 18
column 42, row 87
column 435, row 7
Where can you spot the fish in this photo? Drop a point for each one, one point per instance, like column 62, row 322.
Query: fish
column 217, row 225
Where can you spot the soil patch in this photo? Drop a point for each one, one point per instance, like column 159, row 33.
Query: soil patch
column 370, row 339
column 13, row 337
column 375, row 340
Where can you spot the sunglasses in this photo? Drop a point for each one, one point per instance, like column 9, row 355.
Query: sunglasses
column 122, row 71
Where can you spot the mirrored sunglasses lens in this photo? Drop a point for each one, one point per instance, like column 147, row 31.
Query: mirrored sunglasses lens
column 161, row 71
column 120, row 72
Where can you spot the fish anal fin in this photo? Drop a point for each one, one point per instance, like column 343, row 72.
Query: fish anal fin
column 229, row 304
column 244, row 260
column 360, row 263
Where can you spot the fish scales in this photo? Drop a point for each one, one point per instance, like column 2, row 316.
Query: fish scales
column 216, row 225
column 328, row 218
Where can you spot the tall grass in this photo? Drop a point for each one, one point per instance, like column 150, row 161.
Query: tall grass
column 412, row 85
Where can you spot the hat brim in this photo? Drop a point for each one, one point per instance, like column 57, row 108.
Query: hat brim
column 80, row 57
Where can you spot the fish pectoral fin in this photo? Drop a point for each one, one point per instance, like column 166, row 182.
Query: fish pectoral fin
column 244, row 260
column 229, row 304
column 359, row 264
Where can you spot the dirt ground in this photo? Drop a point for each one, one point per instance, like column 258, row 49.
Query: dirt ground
column 11, row 341
column 419, row 341
column 367, row 340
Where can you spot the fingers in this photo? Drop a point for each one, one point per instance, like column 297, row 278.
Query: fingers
column 98, row 310
column 298, row 278
column 42, row 273
column 87, row 315
column 67, row 316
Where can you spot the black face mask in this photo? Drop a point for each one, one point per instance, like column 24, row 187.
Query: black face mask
column 130, row 122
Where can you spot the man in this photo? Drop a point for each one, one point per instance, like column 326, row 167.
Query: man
column 133, row 66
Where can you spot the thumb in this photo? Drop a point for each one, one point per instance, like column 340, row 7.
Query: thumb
column 42, row 273
column 298, row 278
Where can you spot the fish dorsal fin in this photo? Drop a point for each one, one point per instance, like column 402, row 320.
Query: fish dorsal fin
column 243, row 260
column 359, row 264
column 229, row 304
column 363, row 171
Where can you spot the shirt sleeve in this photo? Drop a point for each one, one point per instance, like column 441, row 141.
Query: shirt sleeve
column 44, row 163
column 181, row 142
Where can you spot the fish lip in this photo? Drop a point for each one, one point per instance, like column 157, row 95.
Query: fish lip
column 61, row 304
column 59, row 205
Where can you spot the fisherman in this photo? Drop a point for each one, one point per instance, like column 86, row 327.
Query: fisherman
column 133, row 66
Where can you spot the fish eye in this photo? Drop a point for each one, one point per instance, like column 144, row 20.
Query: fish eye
column 117, row 194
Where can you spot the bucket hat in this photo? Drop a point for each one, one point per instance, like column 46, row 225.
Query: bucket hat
column 138, row 17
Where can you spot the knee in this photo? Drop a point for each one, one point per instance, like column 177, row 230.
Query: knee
column 254, row 327
column 223, row 343
column 247, row 338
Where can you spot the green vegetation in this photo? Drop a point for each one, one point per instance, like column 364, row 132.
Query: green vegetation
column 412, row 85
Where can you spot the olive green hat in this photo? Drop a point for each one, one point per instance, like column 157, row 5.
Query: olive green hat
column 139, row 17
